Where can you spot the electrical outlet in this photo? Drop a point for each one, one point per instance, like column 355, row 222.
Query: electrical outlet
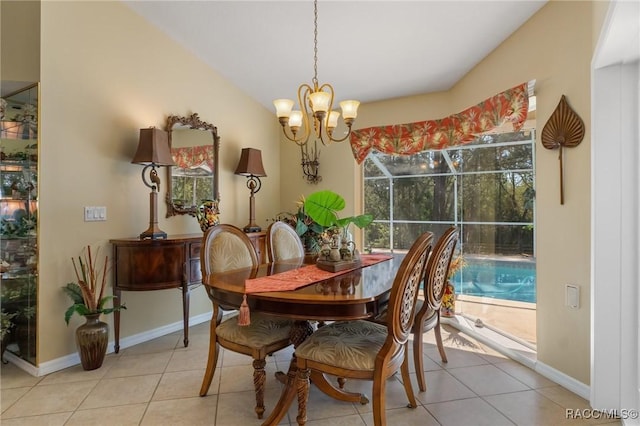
column 572, row 296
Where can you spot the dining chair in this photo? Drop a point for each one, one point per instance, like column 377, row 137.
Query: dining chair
column 283, row 242
column 362, row 349
column 428, row 310
column 224, row 248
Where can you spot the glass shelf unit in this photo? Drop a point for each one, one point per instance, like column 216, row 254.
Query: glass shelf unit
column 18, row 222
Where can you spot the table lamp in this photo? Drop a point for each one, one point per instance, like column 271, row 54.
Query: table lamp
column 250, row 165
column 153, row 151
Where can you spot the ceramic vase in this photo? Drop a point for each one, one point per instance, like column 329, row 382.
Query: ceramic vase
column 448, row 306
column 207, row 214
column 91, row 339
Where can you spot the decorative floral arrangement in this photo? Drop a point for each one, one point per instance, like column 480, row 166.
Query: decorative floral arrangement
column 448, row 306
column 88, row 293
column 456, row 265
column 207, row 214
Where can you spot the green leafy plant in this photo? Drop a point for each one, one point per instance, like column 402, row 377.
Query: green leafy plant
column 87, row 294
column 6, row 323
column 307, row 229
column 323, row 208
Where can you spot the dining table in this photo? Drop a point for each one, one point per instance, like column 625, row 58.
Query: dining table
column 309, row 296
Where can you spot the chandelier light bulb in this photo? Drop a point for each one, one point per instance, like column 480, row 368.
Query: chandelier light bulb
column 295, row 120
column 320, row 101
column 283, row 107
column 332, row 120
column 349, row 109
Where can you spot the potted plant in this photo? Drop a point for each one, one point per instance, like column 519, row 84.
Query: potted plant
column 89, row 301
column 6, row 328
column 323, row 208
column 18, row 315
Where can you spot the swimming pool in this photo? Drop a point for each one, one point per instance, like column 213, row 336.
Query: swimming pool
column 497, row 279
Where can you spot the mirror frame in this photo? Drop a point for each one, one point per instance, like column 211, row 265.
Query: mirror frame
column 192, row 122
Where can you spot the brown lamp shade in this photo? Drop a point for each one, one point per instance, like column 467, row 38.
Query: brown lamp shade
column 250, row 163
column 153, row 148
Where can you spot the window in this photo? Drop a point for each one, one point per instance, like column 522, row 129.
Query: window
column 486, row 189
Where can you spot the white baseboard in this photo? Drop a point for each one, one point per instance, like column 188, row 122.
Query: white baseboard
column 563, row 380
column 74, row 359
column 520, row 356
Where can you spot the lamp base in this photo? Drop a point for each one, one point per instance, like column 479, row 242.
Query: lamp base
column 153, row 234
column 251, row 228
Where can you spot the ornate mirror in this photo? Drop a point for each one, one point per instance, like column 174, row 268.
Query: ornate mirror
column 194, row 178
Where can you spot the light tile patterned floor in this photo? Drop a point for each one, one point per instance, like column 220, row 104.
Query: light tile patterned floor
column 157, row 383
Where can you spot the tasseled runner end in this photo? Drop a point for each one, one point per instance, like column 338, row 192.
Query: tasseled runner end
column 244, row 317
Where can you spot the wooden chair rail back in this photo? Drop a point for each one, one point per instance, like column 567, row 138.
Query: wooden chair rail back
column 438, row 267
column 404, row 293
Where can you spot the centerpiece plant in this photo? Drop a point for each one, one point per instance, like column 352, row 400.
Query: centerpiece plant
column 89, row 300
column 323, row 207
column 309, row 231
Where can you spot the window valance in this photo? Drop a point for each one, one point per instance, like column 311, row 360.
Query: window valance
column 457, row 129
column 193, row 157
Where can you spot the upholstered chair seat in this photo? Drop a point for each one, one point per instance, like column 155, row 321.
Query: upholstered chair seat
column 352, row 345
column 263, row 331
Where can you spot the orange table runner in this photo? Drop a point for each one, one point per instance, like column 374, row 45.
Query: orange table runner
column 296, row 278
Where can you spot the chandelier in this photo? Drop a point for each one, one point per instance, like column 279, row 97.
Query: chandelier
column 316, row 110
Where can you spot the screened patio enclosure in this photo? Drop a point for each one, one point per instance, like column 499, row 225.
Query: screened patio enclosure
column 487, row 190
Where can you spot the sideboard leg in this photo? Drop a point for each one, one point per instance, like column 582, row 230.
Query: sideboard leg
column 185, row 312
column 116, row 318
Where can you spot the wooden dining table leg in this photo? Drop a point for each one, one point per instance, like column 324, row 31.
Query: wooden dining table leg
column 321, row 382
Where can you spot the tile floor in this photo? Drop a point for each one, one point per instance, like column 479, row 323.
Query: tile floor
column 157, row 383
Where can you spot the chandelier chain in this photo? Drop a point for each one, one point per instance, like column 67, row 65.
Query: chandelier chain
column 315, row 42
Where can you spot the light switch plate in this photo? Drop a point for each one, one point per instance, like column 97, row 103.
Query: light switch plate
column 95, row 214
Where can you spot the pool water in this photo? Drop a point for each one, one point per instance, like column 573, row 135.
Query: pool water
column 498, row 279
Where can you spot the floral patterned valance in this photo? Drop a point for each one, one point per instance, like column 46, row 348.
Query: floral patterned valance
column 193, row 156
column 457, row 129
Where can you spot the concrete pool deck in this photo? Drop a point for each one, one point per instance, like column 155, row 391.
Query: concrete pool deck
column 517, row 319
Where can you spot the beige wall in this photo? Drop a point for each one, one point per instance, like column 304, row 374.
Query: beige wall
column 554, row 47
column 20, row 43
column 106, row 73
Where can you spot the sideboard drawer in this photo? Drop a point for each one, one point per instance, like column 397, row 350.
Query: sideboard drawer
column 149, row 266
column 194, row 250
column 195, row 272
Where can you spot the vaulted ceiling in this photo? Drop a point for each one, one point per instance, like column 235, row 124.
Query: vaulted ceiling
column 368, row 50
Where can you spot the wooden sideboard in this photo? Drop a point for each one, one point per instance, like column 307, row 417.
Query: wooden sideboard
column 259, row 241
column 174, row 262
